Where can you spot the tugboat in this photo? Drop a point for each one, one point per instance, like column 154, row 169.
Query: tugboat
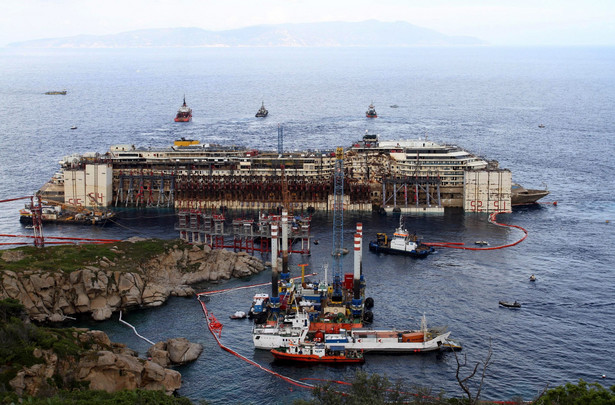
column 262, row 112
column 371, row 111
column 184, row 114
column 310, row 352
column 402, row 243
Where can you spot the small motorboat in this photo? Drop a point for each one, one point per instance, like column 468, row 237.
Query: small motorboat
column 510, row 304
column 541, row 126
column 451, row 345
column 239, row 315
column 481, row 242
column 73, row 127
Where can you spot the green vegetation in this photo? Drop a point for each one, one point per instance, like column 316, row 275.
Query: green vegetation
column 69, row 258
column 582, row 393
column 89, row 397
column 18, row 341
column 373, row 389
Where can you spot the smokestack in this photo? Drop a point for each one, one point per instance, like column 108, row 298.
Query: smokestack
column 274, row 260
column 357, row 267
column 360, row 232
column 284, row 242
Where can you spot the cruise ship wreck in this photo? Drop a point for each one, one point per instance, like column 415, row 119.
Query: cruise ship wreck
column 402, row 176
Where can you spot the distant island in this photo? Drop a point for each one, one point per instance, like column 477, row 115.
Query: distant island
column 325, row 34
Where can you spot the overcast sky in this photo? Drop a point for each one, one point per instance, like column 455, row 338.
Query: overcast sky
column 499, row 22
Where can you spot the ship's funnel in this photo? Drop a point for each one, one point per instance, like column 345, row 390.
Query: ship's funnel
column 357, row 267
column 274, row 260
column 360, row 232
column 284, row 242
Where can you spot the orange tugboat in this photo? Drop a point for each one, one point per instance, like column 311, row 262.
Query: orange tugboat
column 310, row 352
column 184, row 114
column 371, row 111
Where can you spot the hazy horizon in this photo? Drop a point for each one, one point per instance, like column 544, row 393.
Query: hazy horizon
column 506, row 22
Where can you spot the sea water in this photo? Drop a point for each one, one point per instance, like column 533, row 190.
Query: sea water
column 488, row 100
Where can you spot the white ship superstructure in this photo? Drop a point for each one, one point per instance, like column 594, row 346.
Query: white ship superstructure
column 292, row 330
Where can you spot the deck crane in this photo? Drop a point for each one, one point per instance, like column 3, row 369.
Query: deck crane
column 338, row 225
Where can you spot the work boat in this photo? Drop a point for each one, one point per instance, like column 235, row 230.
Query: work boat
column 262, row 112
column 371, row 111
column 391, row 341
column 311, row 352
column 402, row 243
column 273, row 335
column 184, row 114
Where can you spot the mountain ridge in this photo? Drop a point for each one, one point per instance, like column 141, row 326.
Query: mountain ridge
column 323, row 34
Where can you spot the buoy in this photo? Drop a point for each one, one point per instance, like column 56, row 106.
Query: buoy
column 603, row 376
column 554, row 202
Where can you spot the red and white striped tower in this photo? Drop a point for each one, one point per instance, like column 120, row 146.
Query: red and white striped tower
column 357, row 267
column 284, row 242
column 360, row 232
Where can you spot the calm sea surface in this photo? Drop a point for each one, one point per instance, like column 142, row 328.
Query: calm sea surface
column 488, row 100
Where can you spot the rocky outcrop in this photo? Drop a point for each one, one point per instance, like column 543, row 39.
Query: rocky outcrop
column 174, row 352
column 109, row 286
column 105, row 366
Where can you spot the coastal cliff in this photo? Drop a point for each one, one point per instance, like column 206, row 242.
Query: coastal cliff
column 42, row 362
column 62, row 281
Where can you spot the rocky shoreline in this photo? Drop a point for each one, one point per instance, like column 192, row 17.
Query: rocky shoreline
column 105, row 366
column 54, row 284
column 106, row 284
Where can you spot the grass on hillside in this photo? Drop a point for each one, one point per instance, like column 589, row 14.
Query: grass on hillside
column 69, row 258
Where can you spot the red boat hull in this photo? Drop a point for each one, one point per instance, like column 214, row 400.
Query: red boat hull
column 183, row 119
column 371, row 115
column 311, row 358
